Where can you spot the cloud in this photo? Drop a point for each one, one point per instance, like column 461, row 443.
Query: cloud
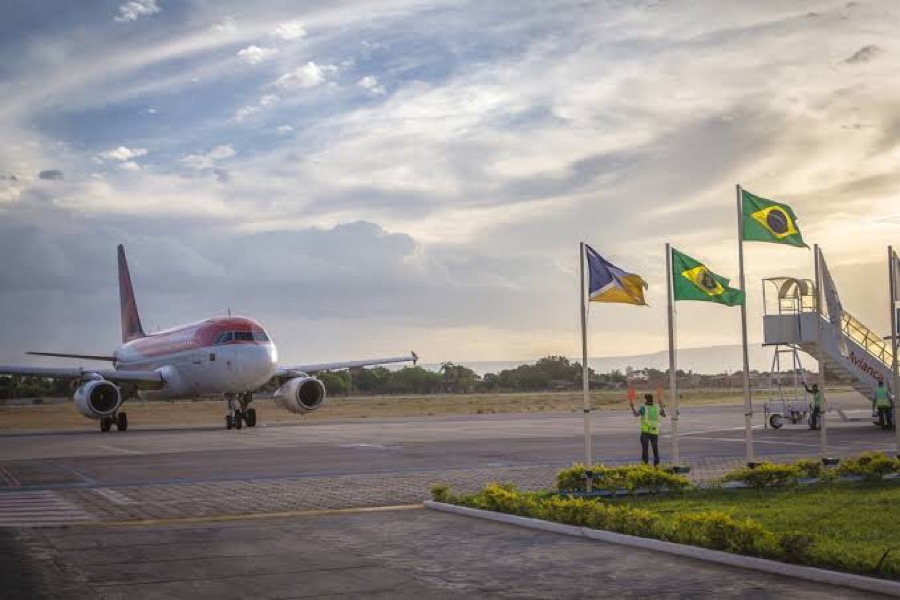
column 307, row 76
column 226, row 25
column 370, row 82
column 253, row 55
column 207, row 160
column 135, row 9
column 244, row 112
column 290, row 30
column 152, row 111
column 130, row 165
column 51, row 175
column 122, row 154
column 247, row 111
column 864, row 54
column 283, row 129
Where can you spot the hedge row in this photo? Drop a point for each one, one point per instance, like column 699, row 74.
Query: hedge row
column 714, row 529
column 628, row 478
column 871, row 466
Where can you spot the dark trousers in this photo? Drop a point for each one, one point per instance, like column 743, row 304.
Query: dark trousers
column 885, row 418
column 814, row 418
column 648, row 439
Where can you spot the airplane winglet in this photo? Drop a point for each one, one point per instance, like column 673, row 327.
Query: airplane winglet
column 415, row 357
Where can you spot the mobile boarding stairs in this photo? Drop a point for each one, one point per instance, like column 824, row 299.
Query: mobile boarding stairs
column 853, row 353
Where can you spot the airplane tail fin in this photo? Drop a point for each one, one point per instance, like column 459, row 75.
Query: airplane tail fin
column 131, row 320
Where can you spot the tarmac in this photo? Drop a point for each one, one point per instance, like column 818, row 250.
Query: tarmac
column 332, row 509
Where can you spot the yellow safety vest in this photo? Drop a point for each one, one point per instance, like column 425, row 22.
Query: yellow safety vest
column 881, row 398
column 650, row 419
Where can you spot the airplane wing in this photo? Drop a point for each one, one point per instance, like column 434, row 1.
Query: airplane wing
column 293, row 370
column 144, row 379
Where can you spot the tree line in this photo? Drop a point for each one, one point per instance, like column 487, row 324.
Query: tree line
column 547, row 374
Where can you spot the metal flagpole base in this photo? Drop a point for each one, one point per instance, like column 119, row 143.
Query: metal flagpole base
column 680, row 469
column 830, row 461
column 753, row 464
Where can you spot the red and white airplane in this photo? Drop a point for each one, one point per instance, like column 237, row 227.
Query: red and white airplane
column 224, row 357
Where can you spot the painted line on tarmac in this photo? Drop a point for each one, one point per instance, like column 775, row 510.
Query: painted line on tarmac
column 8, row 477
column 120, row 450
column 774, row 442
column 252, row 516
column 718, row 430
column 72, row 471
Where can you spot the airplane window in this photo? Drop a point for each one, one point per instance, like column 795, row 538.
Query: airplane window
column 225, row 337
column 243, row 336
column 260, row 336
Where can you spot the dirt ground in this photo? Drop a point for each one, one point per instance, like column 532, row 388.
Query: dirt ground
column 209, row 412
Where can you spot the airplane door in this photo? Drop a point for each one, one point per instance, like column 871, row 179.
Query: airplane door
column 196, row 357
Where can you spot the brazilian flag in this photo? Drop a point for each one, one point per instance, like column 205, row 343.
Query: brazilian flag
column 691, row 280
column 768, row 221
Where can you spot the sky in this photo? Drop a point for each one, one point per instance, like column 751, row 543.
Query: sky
column 370, row 177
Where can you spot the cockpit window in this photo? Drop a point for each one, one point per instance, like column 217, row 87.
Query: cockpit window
column 224, row 337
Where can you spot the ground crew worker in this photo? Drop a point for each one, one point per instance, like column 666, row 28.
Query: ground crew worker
column 883, row 406
column 816, row 405
column 649, row 414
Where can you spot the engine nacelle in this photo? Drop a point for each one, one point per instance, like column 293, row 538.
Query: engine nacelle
column 98, row 398
column 300, row 395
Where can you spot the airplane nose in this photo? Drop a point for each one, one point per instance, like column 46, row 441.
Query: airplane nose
column 273, row 356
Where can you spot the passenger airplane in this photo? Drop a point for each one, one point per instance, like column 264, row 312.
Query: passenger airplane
column 225, row 357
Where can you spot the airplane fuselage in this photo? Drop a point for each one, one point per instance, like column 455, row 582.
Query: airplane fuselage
column 222, row 355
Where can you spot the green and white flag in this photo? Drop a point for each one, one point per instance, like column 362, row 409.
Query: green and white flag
column 692, row 280
column 769, row 221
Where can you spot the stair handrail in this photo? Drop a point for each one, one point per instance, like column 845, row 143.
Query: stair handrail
column 867, row 339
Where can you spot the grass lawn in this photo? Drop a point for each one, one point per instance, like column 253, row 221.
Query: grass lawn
column 854, row 524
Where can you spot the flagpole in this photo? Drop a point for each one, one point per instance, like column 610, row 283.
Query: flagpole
column 894, row 275
column 673, row 383
column 823, row 431
column 585, row 384
column 748, row 405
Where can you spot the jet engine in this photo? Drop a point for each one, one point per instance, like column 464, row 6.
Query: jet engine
column 300, row 395
column 98, row 398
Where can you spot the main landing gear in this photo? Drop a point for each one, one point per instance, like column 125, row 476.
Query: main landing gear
column 237, row 417
column 120, row 420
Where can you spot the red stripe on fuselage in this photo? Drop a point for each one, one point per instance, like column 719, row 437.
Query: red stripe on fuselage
column 189, row 337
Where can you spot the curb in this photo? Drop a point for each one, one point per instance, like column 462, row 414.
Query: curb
column 822, row 576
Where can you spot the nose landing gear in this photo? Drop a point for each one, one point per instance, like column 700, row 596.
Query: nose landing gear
column 237, row 417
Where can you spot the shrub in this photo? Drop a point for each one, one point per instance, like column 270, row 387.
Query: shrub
column 720, row 531
column 440, row 492
column 811, row 469
column 795, row 545
column 654, row 480
column 871, row 465
column 571, row 478
column 630, row 478
column 765, row 475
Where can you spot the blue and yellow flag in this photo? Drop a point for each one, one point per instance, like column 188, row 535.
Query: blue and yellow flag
column 609, row 283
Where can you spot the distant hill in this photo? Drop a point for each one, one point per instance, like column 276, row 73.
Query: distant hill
column 709, row 360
